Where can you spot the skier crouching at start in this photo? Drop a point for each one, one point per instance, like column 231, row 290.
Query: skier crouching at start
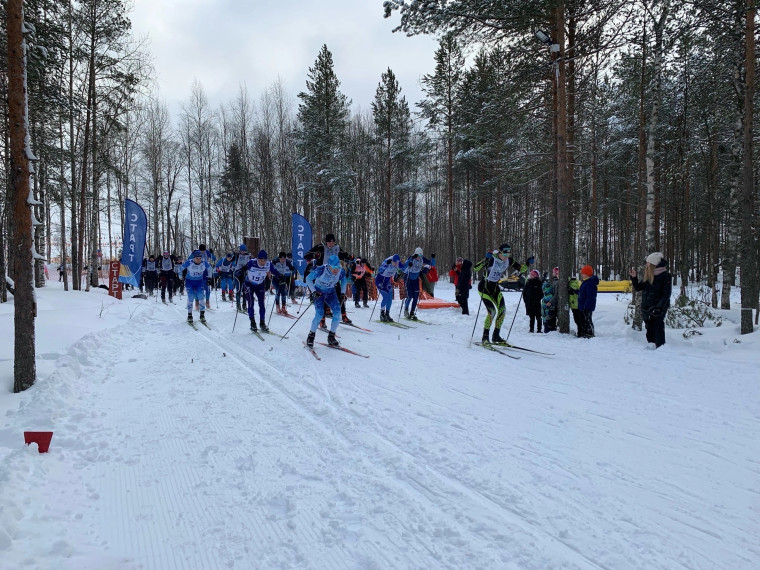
column 321, row 282
column 497, row 263
column 198, row 271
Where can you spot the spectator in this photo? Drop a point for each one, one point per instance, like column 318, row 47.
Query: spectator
column 587, row 301
column 655, row 299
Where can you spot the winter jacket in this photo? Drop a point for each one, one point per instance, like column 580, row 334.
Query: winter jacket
column 587, row 294
column 547, row 308
column 532, row 295
column 655, row 294
column 464, row 280
column 573, row 285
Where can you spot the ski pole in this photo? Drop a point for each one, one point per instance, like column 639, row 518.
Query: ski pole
column 375, row 305
column 513, row 318
column 294, row 324
column 476, row 319
column 406, row 292
column 271, row 310
column 236, row 311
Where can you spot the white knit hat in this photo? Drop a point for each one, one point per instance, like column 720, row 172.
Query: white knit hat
column 654, row 258
column 418, row 251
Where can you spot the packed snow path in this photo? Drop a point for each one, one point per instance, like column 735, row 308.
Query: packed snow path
column 184, row 449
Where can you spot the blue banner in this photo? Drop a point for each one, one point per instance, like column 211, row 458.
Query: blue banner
column 301, row 241
column 135, row 228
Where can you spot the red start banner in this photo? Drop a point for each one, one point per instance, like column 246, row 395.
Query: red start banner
column 114, row 287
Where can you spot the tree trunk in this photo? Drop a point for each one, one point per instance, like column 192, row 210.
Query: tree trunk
column 749, row 283
column 24, row 365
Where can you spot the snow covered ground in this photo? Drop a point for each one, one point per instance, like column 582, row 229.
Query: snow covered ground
column 183, row 449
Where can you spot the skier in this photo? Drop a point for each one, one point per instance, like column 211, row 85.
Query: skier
column 241, row 262
column 166, row 275
column 324, row 282
column 497, row 263
column 657, row 288
column 386, row 276
column 150, row 270
column 282, row 283
column 256, row 273
column 225, row 269
column 415, row 264
column 532, row 295
column 179, row 278
column 197, row 273
column 320, row 253
column 210, row 258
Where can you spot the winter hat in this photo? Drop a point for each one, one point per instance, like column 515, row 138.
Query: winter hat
column 229, row 254
column 282, row 254
column 242, row 247
column 333, row 261
column 587, row 271
column 534, row 273
column 202, row 246
column 166, row 254
column 418, row 251
column 197, row 253
column 654, row 258
column 151, row 256
column 555, row 270
column 460, row 260
column 262, row 254
column 396, row 258
column 329, row 237
column 505, row 248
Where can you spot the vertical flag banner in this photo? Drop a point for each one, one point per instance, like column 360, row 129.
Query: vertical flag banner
column 300, row 242
column 135, row 230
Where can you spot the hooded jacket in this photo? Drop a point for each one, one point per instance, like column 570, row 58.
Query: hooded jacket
column 587, row 294
column 532, row 295
column 464, row 281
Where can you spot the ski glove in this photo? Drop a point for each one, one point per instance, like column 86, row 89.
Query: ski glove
column 489, row 255
column 531, row 260
column 315, row 295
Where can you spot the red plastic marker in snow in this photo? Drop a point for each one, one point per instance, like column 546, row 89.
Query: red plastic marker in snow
column 41, row 438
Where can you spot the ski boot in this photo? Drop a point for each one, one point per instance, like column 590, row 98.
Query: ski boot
column 357, row 305
column 285, row 311
column 366, row 306
column 345, row 320
column 253, row 325
column 485, row 337
column 189, row 317
column 383, row 318
column 310, row 340
column 413, row 316
column 224, row 295
column 331, row 340
column 496, row 337
column 203, row 317
column 263, row 326
column 279, row 311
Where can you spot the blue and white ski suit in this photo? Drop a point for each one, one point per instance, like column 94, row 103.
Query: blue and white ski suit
column 323, row 281
column 413, row 267
column 225, row 268
column 255, row 284
column 386, row 274
column 195, row 282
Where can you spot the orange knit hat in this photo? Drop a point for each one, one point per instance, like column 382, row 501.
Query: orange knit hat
column 587, row 271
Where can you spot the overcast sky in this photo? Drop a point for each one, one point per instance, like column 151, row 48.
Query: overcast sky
column 225, row 43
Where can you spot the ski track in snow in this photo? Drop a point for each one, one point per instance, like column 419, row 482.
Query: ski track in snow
column 431, row 454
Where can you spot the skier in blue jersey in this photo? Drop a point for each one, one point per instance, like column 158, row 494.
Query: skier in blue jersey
column 415, row 264
column 197, row 273
column 225, row 269
column 387, row 274
column 256, row 273
column 319, row 254
column 285, row 269
column 210, row 258
column 166, row 276
column 322, row 283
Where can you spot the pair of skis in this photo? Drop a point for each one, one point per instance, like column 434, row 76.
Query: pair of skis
column 498, row 346
column 192, row 324
column 396, row 324
column 343, row 348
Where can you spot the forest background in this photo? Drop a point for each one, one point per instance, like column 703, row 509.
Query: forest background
column 584, row 132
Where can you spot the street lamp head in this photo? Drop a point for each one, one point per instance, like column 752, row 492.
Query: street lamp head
column 543, row 38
